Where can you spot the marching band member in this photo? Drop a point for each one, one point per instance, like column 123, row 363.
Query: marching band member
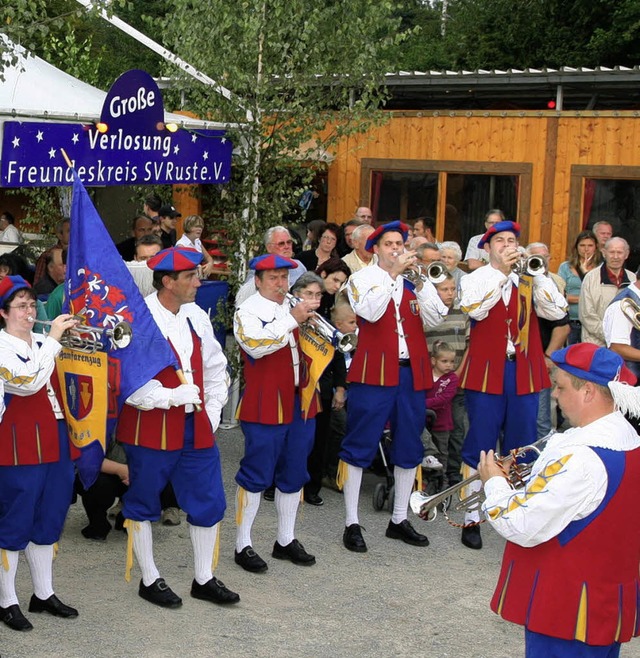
column 389, row 374
column 570, row 567
column 278, row 437
column 505, row 366
column 36, row 471
column 168, row 438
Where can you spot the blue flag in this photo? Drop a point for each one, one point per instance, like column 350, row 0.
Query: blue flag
column 101, row 290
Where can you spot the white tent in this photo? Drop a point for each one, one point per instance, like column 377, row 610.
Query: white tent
column 33, row 90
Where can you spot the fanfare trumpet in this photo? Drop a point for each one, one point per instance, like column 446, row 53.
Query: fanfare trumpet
column 88, row 340
column 426, row 507
column 435, row 272
column 531, row 265
column 631, row 310
column 344, row 343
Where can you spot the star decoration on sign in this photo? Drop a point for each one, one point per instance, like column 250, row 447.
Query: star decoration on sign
column 75, row 138
column 205, row 156
column 223, row 140
column 194, row 138
column 52, row 153
column 40, row 136
column 176, row 149
column 16, row 142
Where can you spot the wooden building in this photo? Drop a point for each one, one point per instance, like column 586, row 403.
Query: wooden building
column 468, row 142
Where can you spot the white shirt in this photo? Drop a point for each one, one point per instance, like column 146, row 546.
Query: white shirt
column 473, row 251
column 185, row 242
column 371, row 289
column 142, row 276
column 615, row 324
column 25, row 369
column 263, row 327
column 568, row 481
column 248, row 288
column 175, row 328
column 11, row 234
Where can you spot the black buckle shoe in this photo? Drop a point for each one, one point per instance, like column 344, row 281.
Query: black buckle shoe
column 12, row 616
column 313, row 499
column 53, row 605
column 295, row 552
column 269, row 494
column 249, row 560
column 406, row 532
column 353, row 540
column 159, row 593
column 471, row 537
column 215, row 591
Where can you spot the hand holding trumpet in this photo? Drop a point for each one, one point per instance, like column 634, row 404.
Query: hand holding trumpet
column 489, row 466
column 61, row 324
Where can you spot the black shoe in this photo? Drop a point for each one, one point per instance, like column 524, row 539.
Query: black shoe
column 118, row 524
column 313, row 499
column 53, row 605
column 406, row 532
column 249, row 560
column 294, row 552
column 89, row 532
column 353, row 540
column 159, row 593
column 13, row 618
column 215, row 591
column 269, row 494
column 471, row 537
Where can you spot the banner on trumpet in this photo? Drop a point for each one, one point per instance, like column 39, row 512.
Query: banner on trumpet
column 317, row 355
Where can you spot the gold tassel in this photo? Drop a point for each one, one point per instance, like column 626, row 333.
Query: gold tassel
column 131, row 527
column 216, row 550
column 5, row 560
column 241, row 503
column 419, row 478
column 342, row 475
column 56, row 548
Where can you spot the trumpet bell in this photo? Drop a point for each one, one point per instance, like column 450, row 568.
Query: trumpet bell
column 122, row 334
column 420, row 500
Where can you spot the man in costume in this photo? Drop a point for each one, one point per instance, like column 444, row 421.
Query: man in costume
column 388, row 377
column 570, row 568
column 167, row 428
column 505, row 367
column 278, row 432
column 36, row 471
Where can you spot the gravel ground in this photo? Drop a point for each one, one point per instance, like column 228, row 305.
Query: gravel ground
column 395, row 600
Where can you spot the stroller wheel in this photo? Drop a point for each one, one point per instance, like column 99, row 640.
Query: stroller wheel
column 379, row 496
column 391, row 498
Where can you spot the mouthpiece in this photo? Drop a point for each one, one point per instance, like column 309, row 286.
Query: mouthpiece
column 30, row 318
column 395, row 254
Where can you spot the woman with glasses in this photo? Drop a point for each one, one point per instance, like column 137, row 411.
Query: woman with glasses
column 36, row 471
column 326, row 248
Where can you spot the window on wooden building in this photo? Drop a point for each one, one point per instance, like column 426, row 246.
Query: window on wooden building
column 403, row 195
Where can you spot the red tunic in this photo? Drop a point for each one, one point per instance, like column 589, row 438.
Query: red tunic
column 583, row 584
column 163, row 429
column 270, row 389
column 376, row 360
column 484, row 368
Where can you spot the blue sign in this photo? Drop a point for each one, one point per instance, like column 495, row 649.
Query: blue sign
column 134, row 148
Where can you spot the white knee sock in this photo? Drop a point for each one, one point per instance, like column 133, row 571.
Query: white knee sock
column 248, row 514
column 472, row 516
column 351, row 491
column 40, row 561
column 286, row 507
column 143, row 549
column 403, row 481
column 8, row 594
column 204, row 543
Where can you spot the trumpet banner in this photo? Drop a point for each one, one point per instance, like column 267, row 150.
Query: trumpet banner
column 525, row 289
column 83, row 380
column 317, row 355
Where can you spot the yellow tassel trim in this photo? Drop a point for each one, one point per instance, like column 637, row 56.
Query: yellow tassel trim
column 241, row 503
column 131, row 526
column 342, row 475
column 419, row 478
column 5, row 560
column 56, row 548
column 216, row 551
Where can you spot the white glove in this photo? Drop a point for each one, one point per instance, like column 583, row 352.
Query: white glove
column 185, row 394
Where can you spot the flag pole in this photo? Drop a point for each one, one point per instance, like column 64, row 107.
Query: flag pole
column 66, row 158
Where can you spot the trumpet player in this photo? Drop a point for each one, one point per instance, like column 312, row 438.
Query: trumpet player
column 570, row 567
column 278, row 437
column 505, row 366
column 36, row 471
column 388, row 377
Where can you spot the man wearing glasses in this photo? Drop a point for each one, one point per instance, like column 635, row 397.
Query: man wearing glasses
column 277, row 241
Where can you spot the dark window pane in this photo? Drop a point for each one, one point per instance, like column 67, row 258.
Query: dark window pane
column 403, row 195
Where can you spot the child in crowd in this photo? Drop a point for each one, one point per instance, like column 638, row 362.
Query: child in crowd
column 454, row 330
column 440, row 397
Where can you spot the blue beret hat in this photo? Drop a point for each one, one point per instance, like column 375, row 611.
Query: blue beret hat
column 593, row 363
column 271, row 262
column 9, row 285
column 175, row 259
column 396, row 225
column 499, row 227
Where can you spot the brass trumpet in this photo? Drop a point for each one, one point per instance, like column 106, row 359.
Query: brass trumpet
column 435, row 272
column 88, row 340
column 531, row 265
column 344, row 343
column 426, row 507
column 631, row 310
